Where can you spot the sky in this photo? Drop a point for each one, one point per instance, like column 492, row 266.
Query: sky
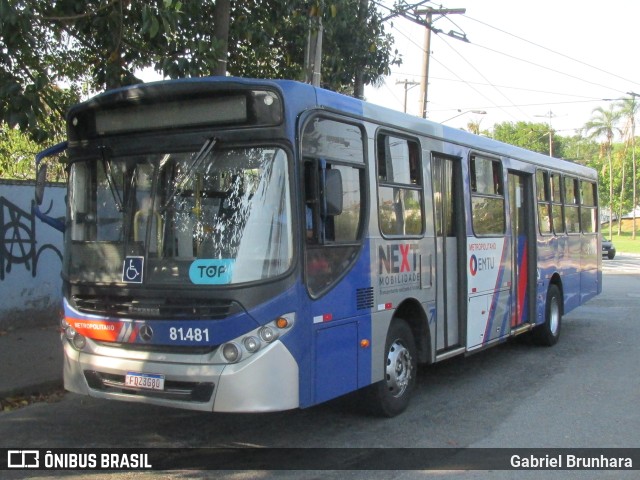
column 547, row 61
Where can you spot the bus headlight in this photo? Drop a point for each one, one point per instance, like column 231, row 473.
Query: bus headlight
column 243, row 347
column 268, row 334
column 76, row 339
column 231, row 352
column 69, row 332
column 79, row 341
column 252, row 344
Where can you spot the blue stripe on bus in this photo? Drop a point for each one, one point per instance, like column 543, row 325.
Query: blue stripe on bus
column 496, row 296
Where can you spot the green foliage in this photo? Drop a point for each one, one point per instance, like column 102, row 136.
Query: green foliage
column 17, row 154
column 603, row 125
column 269, row 41
column 27, row 93
column 93, row 45
column 579, row 149
column 532, row 136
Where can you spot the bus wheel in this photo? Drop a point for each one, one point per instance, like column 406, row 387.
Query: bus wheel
column 548, row 333
column 390, row 396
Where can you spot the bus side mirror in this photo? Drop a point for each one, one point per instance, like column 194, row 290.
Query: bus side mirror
column 41, row 179
column 333, row 193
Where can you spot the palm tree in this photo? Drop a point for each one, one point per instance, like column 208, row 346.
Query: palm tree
column 603, row 124
column 628, row 110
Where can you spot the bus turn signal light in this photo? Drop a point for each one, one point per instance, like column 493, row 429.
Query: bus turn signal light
column 282, row 322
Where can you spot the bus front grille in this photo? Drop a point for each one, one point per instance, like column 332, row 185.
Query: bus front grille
column 199, row 392
column 156, row 307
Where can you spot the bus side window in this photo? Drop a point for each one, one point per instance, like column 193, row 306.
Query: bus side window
column 557, row 207
column 335, row 224
column 487, row 197
column 399, row 186
column 571, row 208
column 588, row 208
column 544, row 199
column 334, row 200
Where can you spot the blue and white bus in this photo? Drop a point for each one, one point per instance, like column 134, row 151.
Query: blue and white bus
column 238, row 245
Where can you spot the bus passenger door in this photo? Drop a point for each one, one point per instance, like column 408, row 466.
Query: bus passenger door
column 447, row 201
column 523, row 248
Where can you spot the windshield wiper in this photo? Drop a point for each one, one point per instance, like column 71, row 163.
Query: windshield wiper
column 184, row 176
column 106, row 165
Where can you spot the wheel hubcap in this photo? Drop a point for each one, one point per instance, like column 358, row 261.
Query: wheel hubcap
column 399, row 369
column 554, row 316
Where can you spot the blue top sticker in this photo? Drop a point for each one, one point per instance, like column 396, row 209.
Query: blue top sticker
column 213, row 271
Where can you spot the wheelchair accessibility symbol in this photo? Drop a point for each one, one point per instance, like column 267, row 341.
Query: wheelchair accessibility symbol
column 132, row 269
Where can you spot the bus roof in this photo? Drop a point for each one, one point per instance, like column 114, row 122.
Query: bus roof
column 301, row 96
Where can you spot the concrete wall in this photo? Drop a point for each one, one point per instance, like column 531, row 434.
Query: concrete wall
column 30, row 256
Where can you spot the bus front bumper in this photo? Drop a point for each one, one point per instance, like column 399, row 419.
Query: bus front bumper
column 266, row 381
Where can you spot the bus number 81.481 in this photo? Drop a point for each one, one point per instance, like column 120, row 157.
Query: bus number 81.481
column 189, row 334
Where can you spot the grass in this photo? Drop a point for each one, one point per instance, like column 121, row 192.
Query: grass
column 624, row 242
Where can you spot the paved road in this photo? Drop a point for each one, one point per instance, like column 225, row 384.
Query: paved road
column 583, row 392
column 623, row 263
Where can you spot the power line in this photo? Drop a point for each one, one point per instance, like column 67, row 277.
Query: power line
column 484, row 78
column 428, row 22
column 510, row 87
column 575, row 77
column 473, row 88
column 467, row 82
column 585, row 99
column 447, row 68
column 542, row 104
column 552, row 51
column 532, row 90
column 394, row 12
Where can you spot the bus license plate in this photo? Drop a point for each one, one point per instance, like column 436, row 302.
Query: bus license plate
column 147, row 381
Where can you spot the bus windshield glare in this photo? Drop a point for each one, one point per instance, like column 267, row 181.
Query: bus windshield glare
column 201, row 218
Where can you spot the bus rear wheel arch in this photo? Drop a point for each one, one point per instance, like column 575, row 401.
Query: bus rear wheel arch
column 390, row 396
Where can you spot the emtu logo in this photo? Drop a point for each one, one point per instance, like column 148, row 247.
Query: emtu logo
column 23, row 459
column 473, row 265
column 481, row 264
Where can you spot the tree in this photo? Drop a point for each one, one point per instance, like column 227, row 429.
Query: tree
column 17, row 151
column 603, row 124
column 628, row 110
column 473, row 126
column 85, row 44
column 100, row 44
column 532, row 136
column 270, row 41
column 580, row 150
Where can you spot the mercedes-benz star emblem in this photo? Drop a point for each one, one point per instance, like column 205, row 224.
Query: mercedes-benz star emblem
column 146, row 333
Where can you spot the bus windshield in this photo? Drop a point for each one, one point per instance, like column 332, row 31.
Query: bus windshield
column 202, row 217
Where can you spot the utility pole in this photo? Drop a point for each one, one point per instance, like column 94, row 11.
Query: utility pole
column 407, row 84
column 313, row 52
column 549, row 115
column 221, row 14
column 428, row 13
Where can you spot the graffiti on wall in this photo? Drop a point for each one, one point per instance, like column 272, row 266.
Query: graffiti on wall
column 18, row 244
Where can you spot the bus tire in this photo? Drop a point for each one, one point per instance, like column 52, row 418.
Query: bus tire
column 548, row 333
column 390, row 396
